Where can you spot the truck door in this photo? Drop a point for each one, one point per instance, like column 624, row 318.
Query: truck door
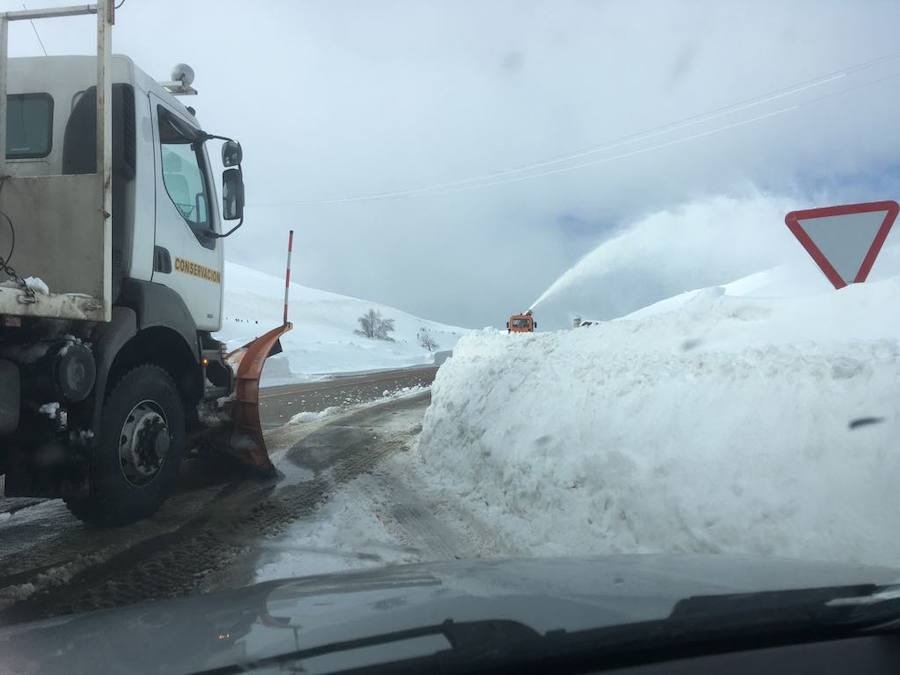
column 186, row 259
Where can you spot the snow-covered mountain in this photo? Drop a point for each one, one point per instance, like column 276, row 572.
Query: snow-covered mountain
column 323, row 338
column 760, row 417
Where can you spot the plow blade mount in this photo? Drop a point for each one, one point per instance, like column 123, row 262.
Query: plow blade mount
column 246, row 438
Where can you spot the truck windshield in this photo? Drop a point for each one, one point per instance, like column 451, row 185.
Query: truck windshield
column 184, row 182
column 183, row 174
column 29, row 125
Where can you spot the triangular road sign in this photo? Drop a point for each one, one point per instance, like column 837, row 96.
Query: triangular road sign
column 844, row 240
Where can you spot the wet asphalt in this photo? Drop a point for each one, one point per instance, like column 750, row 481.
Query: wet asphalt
column 278, row 404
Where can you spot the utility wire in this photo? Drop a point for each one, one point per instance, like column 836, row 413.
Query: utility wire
column 677, row 141
column 624, row 155
column 489, row 179
column 630, row 139
column 36, row 34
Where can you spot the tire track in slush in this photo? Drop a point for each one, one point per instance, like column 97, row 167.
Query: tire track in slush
column 414, row 520
column 424, row 519
column 225, row 530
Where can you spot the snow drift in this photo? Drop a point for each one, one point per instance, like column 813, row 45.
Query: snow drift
column 723, row 420
column 323, row 338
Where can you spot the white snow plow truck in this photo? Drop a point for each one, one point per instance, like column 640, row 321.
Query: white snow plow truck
column 111, row 251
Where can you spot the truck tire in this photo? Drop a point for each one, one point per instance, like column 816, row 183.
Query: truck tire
column 135, row 461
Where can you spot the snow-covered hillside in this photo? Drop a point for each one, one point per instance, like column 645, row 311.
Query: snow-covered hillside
column 761, row 417
column 323, row 338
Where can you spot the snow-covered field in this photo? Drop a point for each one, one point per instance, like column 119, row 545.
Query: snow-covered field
column 761, row 417
column 323, row 338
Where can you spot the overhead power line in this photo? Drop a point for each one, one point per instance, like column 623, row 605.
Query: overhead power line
column 514, row 174
column 677, row 141
column 36, row 34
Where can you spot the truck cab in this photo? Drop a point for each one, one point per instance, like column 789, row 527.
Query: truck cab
column 521, row 323
column 112, row 245
column 165, row 217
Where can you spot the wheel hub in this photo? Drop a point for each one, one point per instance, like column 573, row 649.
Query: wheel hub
column 143, row 443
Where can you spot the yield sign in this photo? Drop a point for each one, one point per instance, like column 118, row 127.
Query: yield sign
column 844, row 240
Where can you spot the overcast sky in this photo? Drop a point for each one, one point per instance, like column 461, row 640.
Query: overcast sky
column 336, row 100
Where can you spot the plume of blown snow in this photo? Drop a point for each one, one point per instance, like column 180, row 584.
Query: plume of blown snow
column 697, row 244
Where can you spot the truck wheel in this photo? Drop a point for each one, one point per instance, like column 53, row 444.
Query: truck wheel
column 135, row 461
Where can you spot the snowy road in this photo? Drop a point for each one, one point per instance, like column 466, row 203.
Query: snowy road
column 344, row 500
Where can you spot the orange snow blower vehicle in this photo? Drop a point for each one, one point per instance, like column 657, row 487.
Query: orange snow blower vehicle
column 521, row 323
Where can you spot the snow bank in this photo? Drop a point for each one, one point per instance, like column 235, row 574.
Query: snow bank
column 713, row 422
column 323, row 338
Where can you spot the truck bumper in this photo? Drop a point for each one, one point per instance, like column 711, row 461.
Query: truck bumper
column 10, row 394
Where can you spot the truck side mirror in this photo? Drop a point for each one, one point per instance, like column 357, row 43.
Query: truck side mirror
column 232, row 194
column 231, row 153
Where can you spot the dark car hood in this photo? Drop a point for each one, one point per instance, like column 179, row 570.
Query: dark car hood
column 202, row 632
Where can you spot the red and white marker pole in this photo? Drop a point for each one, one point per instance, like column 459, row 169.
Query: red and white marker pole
column 287, row 275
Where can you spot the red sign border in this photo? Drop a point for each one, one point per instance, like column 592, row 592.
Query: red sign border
column 792, row 220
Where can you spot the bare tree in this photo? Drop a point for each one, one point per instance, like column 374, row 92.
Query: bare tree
column 373, row 326
column 367, row 324
column 384, row 328
column 426, row 340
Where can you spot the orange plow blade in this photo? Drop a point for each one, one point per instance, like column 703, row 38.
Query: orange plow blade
column 246, row 439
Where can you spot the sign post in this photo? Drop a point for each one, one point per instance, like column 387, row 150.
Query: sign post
column 844, row 240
